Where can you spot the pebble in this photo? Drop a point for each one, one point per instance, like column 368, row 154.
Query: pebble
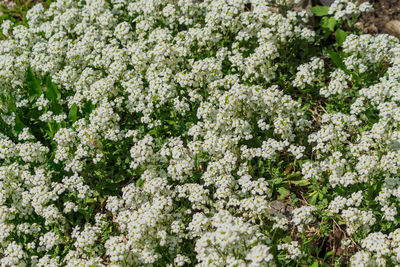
column 326, row 2
column 393, row 27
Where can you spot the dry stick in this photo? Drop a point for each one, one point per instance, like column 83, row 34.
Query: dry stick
column 345, row 234
column 334, row 247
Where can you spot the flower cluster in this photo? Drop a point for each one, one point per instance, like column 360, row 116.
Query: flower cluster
column 162, row 133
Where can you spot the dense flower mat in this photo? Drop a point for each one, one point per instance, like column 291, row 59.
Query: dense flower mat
column 198, row 133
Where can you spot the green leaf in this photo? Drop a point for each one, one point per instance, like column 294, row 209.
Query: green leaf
column 301, row 182
column 328, row 254
column 313, row 199
column 283, row 193
column 90, row 200
column 277, row 180
column 315, row 264
column 56, row 108
column 33, row 83
column 293, row 175
column 57, row 127
column 51, row 131
column 294, row 199
column 89, row 107
column 57, row 250
column 337, row 60
column 308, row 241
column 19, row 125
column 11, row 104
column 287, row 239
column 52, row 92
column 320, row 11
column 73, row 113
column 305, row 107
column 139, row 182
column 328, row 23
column 340, row 36
column 288, row 169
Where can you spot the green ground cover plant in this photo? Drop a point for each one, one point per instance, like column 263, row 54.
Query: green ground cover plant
column 198, row 133
column 16, row 10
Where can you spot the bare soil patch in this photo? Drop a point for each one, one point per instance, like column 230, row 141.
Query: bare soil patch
column 376, row 21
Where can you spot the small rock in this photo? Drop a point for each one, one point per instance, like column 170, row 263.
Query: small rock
column 276, row 206
column 393, row 27
column 326, row 2
column 11, row 5
column 280, row 208
column 303, row 4
column 371, row 29
column 358, row 25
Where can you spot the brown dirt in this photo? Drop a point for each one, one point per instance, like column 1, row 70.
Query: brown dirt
column 385, row 11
